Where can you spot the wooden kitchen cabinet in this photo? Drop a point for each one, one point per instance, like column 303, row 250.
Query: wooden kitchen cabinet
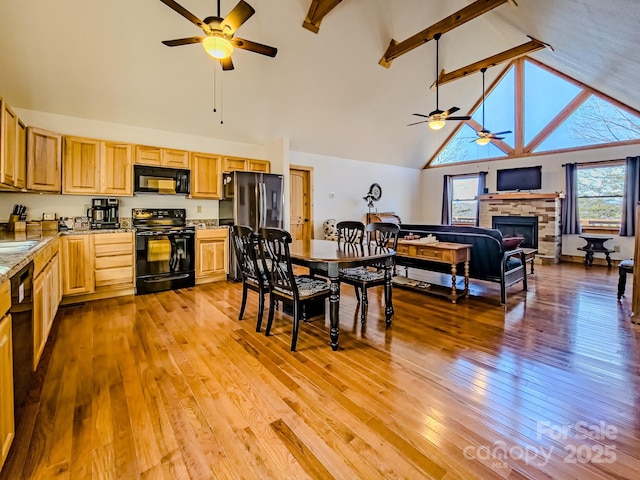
column 77, row 264
column 113, row 261
column 229, row 164
column 96, row 167
column 7, row 419
column 44, row 160
column 212, row 255
column 81, row 166
column 206, row 176
column 260, row 166
column 116, row 168
column 161, row 157
column 12, row 149
column 20, row 180
column 47, row 293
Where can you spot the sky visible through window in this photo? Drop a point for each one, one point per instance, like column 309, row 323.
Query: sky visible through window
column 546, row 94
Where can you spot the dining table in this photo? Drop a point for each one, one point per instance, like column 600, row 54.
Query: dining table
column 327, row 257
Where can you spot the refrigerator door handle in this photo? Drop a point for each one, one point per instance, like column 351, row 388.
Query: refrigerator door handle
column 263, row 204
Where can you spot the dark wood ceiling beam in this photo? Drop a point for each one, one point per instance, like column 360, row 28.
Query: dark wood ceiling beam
column 461, row 17
column 317, row 11
column 533, row 46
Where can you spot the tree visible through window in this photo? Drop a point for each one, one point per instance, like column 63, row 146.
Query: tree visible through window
column 600, row 191
column 463, row 200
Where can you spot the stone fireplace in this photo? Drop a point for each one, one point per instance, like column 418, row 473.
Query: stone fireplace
column 524, row 208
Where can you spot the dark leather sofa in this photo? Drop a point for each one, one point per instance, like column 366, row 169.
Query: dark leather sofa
column 489, row 260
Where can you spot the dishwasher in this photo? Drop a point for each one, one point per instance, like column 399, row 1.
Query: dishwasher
column 22, row 332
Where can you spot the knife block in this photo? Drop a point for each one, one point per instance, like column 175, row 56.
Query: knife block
column 15, row 224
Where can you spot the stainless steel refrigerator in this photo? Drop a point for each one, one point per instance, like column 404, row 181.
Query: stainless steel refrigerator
column 252, row 199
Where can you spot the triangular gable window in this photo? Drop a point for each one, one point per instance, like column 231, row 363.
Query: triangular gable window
column 557, row 114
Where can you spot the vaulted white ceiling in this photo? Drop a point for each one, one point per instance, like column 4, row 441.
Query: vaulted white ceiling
column 326, row 92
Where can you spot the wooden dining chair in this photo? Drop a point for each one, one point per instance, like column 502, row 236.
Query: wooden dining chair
column 350, row 231
column 284, row 284
column 380, row 235
column 245, row 244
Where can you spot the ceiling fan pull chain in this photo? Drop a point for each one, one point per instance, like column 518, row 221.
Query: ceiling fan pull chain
column 214, row 86
column 221, row 101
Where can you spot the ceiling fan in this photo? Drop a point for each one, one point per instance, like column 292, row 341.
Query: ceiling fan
column 219, row 40
column 484, row 135
column 437, row 118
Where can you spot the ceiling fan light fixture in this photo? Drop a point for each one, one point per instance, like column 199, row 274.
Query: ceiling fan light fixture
column 217, row 46
column 436, row 124
column 483, row 140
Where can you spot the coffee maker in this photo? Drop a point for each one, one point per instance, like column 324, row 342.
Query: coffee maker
column 103, row 213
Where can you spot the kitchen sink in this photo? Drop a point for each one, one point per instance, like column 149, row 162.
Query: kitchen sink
column 17, row 247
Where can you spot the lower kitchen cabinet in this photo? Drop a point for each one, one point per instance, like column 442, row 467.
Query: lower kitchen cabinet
column 77, row 254
column 113, row 261
column 212, row 255
column 7, row 420
column 47, row 293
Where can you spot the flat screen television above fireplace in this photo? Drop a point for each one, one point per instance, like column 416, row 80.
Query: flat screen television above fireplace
column 524, row 178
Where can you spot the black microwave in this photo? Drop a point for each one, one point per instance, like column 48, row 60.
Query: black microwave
column 167, row 181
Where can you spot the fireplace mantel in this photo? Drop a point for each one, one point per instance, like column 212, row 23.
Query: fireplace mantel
column 520, row 196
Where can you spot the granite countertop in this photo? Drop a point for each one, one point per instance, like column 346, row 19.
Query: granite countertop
column 11, row 263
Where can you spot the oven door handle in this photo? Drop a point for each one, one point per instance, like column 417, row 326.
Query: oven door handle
column 167, row 277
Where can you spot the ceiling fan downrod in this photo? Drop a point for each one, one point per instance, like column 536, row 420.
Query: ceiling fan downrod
column 437, row 39
column 484, row 69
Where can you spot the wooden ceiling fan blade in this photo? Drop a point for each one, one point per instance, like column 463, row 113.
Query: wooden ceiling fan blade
column 227, row 63
column 254, row 47
column 416, row 123
column 502, row 133
column 450, row 111
column 176, row 7
column 182, row 41
column 236, row 17
column 421, row 115
column 497, row 138
column 465, row 117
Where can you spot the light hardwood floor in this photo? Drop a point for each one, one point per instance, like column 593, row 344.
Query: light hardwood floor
column 173, row 386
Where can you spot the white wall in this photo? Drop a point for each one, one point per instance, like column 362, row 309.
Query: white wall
column 340, row 184
column 553, row 180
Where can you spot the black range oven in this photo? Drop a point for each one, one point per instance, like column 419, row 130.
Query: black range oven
column 165, row 250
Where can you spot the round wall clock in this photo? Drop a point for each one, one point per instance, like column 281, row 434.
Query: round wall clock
column 375, row 191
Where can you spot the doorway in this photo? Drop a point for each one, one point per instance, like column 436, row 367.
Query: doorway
column 301, row 199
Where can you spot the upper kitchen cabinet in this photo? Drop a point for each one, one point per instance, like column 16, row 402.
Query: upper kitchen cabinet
column 229, row 164
column 21, row 152
column 206, row 176
column 96, row 167
column 12, row 152
column 116, row 169
column 44, row 160
column 81, row 167
column 161, row 157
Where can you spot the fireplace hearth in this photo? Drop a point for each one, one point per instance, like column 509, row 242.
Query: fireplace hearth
column 526, row 227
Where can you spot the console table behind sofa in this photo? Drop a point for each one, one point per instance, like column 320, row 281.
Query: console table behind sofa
column 488, row 262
